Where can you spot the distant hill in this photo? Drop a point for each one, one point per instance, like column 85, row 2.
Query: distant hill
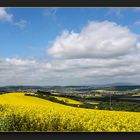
column 120, row 84
column 112, row 86
column 121, row 88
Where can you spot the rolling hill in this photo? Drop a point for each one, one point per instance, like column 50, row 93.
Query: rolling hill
column 26, row 113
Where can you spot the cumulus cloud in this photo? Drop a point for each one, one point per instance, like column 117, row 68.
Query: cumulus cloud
column 5, row 16
column 103, row 52
column 96, row 40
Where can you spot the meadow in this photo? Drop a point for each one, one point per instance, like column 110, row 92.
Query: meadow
column 27, row 113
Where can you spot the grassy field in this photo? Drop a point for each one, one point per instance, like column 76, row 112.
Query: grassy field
column 28, row 113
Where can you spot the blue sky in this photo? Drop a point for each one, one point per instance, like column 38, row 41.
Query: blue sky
column 35, row 36
column 45, row 24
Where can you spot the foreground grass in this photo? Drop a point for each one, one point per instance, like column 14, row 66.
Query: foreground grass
column 27, row 113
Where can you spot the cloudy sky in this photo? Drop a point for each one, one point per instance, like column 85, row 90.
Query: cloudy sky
column 69, row 46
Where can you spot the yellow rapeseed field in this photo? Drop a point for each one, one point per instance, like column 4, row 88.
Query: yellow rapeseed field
column 27, row 113
column 67, row 100
column 138, row 94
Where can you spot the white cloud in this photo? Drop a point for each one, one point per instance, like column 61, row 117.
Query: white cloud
column 5, row 16
column 108, row 53
column 18, row 62
column 117, row 11
column 21, row 24
column 137, row 23
column 14, row 71
column 96, row 40
column 50, row 11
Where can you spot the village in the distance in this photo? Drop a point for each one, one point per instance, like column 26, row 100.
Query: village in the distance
column 107, row 97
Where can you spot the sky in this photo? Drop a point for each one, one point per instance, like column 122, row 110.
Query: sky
column 69, row 46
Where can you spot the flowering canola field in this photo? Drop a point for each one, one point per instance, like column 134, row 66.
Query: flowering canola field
column 67, row 100
column 27, row 113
